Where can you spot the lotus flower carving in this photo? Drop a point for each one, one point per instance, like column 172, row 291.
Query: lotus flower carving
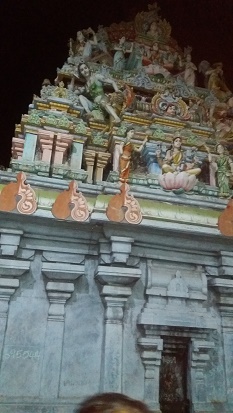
column 172, row 181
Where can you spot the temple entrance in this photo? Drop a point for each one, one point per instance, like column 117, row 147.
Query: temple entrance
column 173, row 396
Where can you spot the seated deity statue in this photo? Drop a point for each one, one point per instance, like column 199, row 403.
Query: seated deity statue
column 174, row 160
column 154, row 30
column 60, row 91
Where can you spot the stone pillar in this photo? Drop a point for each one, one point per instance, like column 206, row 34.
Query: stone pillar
column 151, row 357
column 199, row 360
column 7, row 289
column 46, row 144
column 58, row 294
column 224, row 288
column 63, row 142
column 89, row 157
column 10, row 268
column 29, row 149
column 117, row 283
column 102, row 159
column 17, row 148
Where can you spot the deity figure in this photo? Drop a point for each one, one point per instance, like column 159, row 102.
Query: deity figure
column 125, row 153
column 154, row 31
column 216, row 82
column 189, row 72
column 94, row 89
column 154, row 55
column 175, row 161
column 84, row 44
column 221, row 165
column 135, row 58
column 119, row 60
column 102, row 38
column 197, row 111
column 47, row 89
column 60, row 91
column 171, row 110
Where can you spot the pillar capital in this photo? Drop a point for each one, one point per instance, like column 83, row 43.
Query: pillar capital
column 9, row 241
column 62, row 271
column 7, row 289
column 224, row 288
column 200, row 353
column 121, row 277
column 58, row 294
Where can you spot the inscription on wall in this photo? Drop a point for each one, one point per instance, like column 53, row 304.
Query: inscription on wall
column 24, row 353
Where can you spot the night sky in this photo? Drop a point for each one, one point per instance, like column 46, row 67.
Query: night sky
column 35, row 33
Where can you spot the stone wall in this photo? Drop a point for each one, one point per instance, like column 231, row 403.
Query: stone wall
column 86, row 307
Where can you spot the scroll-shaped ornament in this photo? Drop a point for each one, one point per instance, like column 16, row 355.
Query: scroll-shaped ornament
column 71, row 204
column 18, row 196
column 124, row 207
column 225, row 220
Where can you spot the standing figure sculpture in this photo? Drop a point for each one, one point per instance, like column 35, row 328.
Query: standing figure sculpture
column 119, row 60
column 189, row 72
column 221, row 165
column 216, row 82
column 125, row 153
column 94, row 90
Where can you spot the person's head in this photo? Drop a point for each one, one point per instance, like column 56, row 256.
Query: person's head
column 83, row 70
column 153, row 26
column 171, row 109
column 220, row 148
column 129, row 133
column 46, row 82
column 177, row 142
column 122, row 40
column 218, row 67
column 80, row 36
column 112, row 403
column 155, row 46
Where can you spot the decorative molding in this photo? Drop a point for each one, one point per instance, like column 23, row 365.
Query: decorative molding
column 200, row 353
column 124, row 207
column 225, row 220
column 13, row 268
column 18, row 196
column 9, row 241
column 71, row 204
column 62, row 271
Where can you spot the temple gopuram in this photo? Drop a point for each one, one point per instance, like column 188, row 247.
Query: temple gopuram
column 116, row 249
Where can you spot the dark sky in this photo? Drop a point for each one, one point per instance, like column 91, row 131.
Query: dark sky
column 35, row 33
